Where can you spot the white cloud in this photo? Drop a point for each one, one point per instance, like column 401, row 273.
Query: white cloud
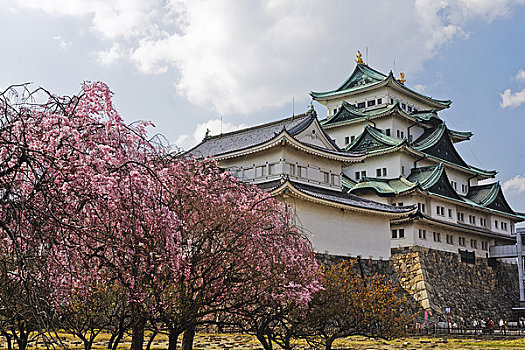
column 62, row 43
column 215, row 126
column 240, row 56
column 111, row 55
column 512, row 99
column 520, row 75
column 515, row 185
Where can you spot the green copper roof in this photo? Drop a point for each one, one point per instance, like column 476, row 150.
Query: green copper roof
column 490, row 196
column 349, row 112
column 457, row 136
column 434, row 180
column 371, row 139
column 385, row 187
column 347, row 183
column 364, row 77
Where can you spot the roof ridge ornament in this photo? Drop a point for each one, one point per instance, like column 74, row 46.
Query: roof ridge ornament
column 359, row 58
column 402, row 78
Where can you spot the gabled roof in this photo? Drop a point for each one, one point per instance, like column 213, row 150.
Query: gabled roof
column 438, row 143
column 349, row 113
column 490, row 196
column 372, row 139
column 364, row 78
column 431, row 179
column 339, row 199
column 268, row 135
column 434, row 144
column 434, row 180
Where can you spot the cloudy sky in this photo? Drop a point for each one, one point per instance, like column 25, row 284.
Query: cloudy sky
column 186, row 64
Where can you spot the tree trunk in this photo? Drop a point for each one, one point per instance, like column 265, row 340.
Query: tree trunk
column 8, row 340
column 137, row 339
column 172, row 339
column 151, row 339
column 187, row 338
column 267, row 345
column 328, row 343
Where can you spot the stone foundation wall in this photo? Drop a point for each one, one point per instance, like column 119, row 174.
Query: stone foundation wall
column 436, row 279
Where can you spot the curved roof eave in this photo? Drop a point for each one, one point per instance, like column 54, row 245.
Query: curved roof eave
column 287, row 185
column 287, row 138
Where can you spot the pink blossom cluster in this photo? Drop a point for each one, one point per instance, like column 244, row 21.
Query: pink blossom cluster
column 88, row 201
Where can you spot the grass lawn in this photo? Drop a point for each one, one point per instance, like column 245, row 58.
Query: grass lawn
column 245, row 342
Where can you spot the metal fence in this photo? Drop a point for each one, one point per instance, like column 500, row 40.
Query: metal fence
column 496, row 331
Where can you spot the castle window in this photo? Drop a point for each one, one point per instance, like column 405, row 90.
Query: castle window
column 292, row 169
column 454, row 184
column 335, row 110
column 437, row 236
column 472, row 219
column 335, row 179
column 272, row 169
column 371, row 103
column 482, row 222
column 461, row 216
column 400, row 204
column 379, row 101
column 484, row 245
column 461, row 241
column 378, row 172
column 384, row 171
column 401, row 233
column 496, row 223
column 398, row 134
column 404, row 106
column 440, row 210
column 301, row 170
column 402, row 170
column 394, row 233
column 504, row 226
column 347, row 140
column 363, row 173
column 422, row 234
column 391, row 101
column 402, row 134
column 450, row 239
column 260, row 171
column 352, row 138
column 473, row 244
column 361, row 105
column 326, row 176
column 421, row 207
column 357, row 175
column 409, row 108
column 387, row 132
column 450, row 213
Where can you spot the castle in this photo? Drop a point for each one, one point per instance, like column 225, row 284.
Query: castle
column 378, row 177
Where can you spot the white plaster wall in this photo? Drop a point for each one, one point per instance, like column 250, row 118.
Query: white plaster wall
column 443, row 245
column 355, row 99
column 390, row 161
column 461, row 179
column 341, row 232
column 314, row 136
column 340, row 133
column 279, row 159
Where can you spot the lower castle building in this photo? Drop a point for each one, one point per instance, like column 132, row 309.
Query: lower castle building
column 378, row 175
